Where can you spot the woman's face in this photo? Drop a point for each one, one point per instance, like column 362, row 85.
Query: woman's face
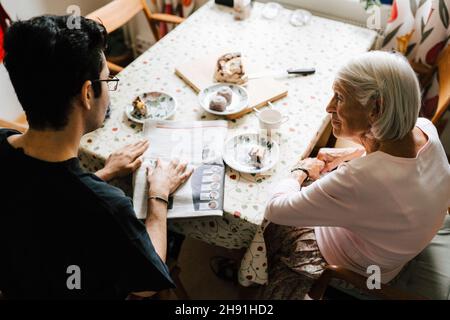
column 349, row 118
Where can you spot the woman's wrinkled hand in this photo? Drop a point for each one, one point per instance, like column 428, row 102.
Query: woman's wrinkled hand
column 312, row 165
column 333, row 157
column 123, row 161
column 166, row 178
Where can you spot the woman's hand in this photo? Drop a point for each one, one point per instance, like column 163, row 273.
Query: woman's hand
column 165, row 179
column 333, row 157
column 312, row 165
column 123, row 161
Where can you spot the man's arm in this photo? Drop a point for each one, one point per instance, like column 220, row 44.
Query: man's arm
column 163, row 180
column 156, row 225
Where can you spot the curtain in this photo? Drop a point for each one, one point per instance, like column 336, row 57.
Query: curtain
column 420, row 29
column 5, row 21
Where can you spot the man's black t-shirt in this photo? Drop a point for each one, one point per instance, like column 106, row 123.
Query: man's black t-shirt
column 59, row 225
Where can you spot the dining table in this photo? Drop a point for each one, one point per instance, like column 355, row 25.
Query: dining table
column 274, row 44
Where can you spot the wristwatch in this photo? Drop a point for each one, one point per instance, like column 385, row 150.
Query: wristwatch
column 301, row 169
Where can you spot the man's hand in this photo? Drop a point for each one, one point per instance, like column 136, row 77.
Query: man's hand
column 124, row 161
column 165, row 179
column 333, row 157
column 312, row 165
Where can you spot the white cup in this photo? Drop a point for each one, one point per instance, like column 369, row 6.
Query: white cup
column 242, row 9
column 270, row 119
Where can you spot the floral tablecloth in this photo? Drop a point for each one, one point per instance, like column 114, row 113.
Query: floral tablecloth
column 274, row 44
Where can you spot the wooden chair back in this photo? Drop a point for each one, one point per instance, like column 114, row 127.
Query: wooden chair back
column 118, row 12
column 20, row 124
column 444, row 85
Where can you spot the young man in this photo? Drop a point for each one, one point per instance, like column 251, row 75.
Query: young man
column 64, row 233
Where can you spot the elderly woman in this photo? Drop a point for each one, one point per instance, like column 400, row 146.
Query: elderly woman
column 382, row 208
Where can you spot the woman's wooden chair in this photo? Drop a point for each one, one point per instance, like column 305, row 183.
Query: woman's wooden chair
column 427, row 276
column 118, row 12
column 425, row 74
column 444, row 85
column 19, row 124
column 387, row 292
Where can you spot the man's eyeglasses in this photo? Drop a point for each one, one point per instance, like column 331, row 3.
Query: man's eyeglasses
column 112, row 82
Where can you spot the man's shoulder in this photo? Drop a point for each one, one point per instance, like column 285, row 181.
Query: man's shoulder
column 113, row 197
column 5, row 133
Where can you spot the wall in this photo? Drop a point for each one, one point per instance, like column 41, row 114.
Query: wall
column 25, row 9
column 9, row 105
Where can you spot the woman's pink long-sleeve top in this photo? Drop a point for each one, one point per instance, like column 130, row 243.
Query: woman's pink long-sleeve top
column 375, row 210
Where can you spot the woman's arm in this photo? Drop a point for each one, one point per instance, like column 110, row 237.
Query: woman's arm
column 329, row 201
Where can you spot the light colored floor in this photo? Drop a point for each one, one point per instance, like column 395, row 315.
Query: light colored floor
column 200, row 282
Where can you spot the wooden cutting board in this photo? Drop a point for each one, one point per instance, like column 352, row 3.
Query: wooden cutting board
column 200, row 73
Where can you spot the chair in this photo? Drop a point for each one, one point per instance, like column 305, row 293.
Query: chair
column 113, row 16
column 425, row 74
column 19, row 124
column 118, row 12
column 427, row 276
column 444, row 85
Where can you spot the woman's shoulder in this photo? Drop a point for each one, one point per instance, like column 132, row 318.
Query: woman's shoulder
column 363, row 169
column 427, row 127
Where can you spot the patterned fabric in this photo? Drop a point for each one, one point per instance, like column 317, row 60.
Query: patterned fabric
column 294, row 262
column 2, row 51
column 420, row 29
column 182, row 8
column 5, row 20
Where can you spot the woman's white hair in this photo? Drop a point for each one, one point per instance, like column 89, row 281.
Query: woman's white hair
column 389, row 79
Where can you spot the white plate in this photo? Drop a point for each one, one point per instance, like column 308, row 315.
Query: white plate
column 160, row 106
column 237, row 148
column 238, row 103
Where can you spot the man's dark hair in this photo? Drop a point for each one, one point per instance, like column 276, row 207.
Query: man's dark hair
column 48, row 62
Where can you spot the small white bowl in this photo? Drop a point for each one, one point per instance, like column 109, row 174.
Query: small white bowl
column 239, row 100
